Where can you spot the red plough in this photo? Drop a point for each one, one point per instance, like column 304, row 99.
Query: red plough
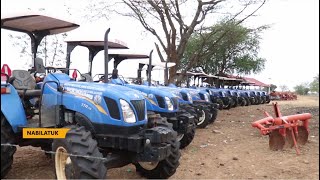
column 292, row 129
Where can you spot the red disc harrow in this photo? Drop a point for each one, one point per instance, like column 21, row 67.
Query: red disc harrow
column 284, row 130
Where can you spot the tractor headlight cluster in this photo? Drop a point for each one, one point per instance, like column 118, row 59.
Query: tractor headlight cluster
column 206, row 97
column 210, row 93
column 189, row 98
column 127, row 112
column 169, row 103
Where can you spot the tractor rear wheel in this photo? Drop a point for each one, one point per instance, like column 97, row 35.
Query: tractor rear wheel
column 162, row 169
column 77, row 156
column 6, row 151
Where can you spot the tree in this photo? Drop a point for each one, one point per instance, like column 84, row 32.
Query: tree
column 302, row 89
column 314, row 85
column 235, row 52
column 283, row 87
column 176, row 30
column 272, row 88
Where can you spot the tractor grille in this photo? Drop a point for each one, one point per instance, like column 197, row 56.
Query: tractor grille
column 184, row 96
column 139, row 106
column 161, row 101
column 201, row 96
column 113, row 108
column 175, row 103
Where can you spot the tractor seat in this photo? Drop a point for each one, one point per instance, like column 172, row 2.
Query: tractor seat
column 25, row 84
column 87, row 77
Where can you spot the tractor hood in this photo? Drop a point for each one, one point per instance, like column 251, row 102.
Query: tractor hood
column 152, row 90
column 108, row 90
column 145, row 90
column 177, row 92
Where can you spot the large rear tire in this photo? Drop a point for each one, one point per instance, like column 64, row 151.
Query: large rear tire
column 7, row 137
column 78, row 142
column 163, row 169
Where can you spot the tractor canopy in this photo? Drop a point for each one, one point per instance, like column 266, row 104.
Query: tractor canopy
column 30, row 22
column 36, row 25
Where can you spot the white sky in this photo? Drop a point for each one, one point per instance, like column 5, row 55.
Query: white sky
column 290, row 45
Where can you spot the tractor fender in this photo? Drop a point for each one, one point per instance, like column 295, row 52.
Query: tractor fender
column 12, row 109
column 83, row 120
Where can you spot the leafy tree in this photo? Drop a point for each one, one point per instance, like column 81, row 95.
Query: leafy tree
column 314, row 85
column 235, row 52
column 179, row 20
column 302, row 89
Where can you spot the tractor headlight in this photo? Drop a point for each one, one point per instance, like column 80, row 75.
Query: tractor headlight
column 223, row 94
column 210, row 93
column 206, row 97
column 127, row 112
column 189, row 98
column 169, row 103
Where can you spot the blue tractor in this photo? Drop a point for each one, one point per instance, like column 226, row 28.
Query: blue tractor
column 195, row 101
column 249, row 97
column 216, row 97
column 267, row 96
column 228, row 102
column 201, row 98
column 158, row 102
column 257, row 98
column 240, row 101
column 108, row 124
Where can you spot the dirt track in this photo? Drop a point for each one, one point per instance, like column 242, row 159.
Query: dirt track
column 228, row 149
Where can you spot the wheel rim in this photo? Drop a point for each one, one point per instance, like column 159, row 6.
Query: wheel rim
column 202, row 117
column 61, row 160
column 149, row 165
column 180, row 136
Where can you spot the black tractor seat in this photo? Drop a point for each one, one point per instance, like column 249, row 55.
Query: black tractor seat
column 25, row 84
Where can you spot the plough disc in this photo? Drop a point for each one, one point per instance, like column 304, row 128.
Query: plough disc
column 289, row 139
column 302, row 135
column 276, row 141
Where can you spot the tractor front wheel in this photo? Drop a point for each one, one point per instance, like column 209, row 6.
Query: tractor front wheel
column 203, row 119
column 186, row 139
column 77, row 156
column 162, row 169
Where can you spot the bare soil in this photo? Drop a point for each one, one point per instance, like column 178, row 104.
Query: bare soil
column 228, row 149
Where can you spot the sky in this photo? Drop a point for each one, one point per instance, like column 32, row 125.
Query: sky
column 290, row 46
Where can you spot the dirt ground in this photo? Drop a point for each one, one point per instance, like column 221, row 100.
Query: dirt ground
column 228, row 149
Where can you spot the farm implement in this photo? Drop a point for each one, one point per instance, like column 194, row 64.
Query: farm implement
column 282, row 130
column 283, row 96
